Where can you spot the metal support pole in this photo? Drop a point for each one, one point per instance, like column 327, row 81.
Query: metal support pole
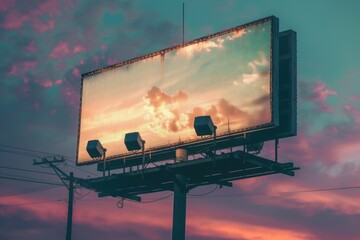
column 143, row 158
column 215, row 127
column 276, row 149
column 70, row 207
column 244, row 148
column 179, row 207
column 104, row 159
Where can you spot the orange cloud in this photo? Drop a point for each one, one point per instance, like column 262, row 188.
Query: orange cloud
column 208, row 227
column 312, row 201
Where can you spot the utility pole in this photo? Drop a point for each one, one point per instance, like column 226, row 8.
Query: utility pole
column 63, row 176
column 70, row 206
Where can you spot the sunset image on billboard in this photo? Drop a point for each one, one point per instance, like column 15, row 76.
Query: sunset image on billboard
column 226, row 75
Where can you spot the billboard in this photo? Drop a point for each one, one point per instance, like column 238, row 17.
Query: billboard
column 230, row 75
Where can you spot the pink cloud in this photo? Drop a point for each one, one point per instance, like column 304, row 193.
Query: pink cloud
column 320, row 94
column 31, row 47
column 310, row 202
column 44, row 26
column 60, row 50
column 353, row 112
column 226, row 229
column 47, row 84
column 112, row 61
column 6, row 4
column 58, row 81
column 47, row 211
column 76, row 72
column 78, row 49
column 15, row 19
column 316, row 93
column 13, row 71
column 20, row 67
column 355, row 97
column 71, row 96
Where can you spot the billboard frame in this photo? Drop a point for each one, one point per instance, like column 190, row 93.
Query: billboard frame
column 229, row 139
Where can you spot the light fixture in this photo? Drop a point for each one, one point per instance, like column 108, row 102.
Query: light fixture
column 97, row 151
column 204, row 126
column 133, row 142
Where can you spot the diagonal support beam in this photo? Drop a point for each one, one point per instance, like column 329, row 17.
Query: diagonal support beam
column 118, row 194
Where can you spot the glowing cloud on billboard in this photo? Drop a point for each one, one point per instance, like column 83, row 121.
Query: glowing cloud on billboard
column 227, row 75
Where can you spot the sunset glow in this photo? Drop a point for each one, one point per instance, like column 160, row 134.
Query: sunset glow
column 227, row 76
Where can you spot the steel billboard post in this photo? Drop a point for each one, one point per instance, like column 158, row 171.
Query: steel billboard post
column 179, row 207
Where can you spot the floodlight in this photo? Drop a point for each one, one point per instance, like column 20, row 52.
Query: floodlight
column 133, row 141
column 95, row 149
column 254, row 148
column 204, row 126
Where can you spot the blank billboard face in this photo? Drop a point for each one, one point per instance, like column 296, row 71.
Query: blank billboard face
column 227, row 75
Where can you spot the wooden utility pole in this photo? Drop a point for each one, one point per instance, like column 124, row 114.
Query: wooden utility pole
column 70, row 207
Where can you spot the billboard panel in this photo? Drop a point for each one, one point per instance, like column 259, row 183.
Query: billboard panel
column 230, row 75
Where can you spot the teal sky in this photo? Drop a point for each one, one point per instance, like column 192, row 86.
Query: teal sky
column 46, row 46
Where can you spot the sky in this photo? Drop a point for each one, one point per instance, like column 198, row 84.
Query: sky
column 227, row 77
column 47, row 45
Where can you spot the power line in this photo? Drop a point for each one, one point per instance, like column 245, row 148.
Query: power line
column 27, row 203
column 22, row 177
column 32, row 181
column 289, row 192
column 83, row 170
column 31, row 150
column 21, row 153
column 27, row 190
column 203, row 194
column 26, row 170
column 158, row 199
column 30, row 153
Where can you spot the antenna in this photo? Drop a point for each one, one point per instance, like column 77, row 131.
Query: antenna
column 183, row 23
column 228, row 124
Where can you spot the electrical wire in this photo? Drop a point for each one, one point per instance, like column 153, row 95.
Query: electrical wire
column 31, row 150
column 35, row 153
column 32, row 181
column 85, row 171
column 21, row 153
column 27, row 191
column 28, row 203
column 204, row 194
column 81, row 194
column 26, row 170
column 22, row 177
column 279, row 194
column 158, row 199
